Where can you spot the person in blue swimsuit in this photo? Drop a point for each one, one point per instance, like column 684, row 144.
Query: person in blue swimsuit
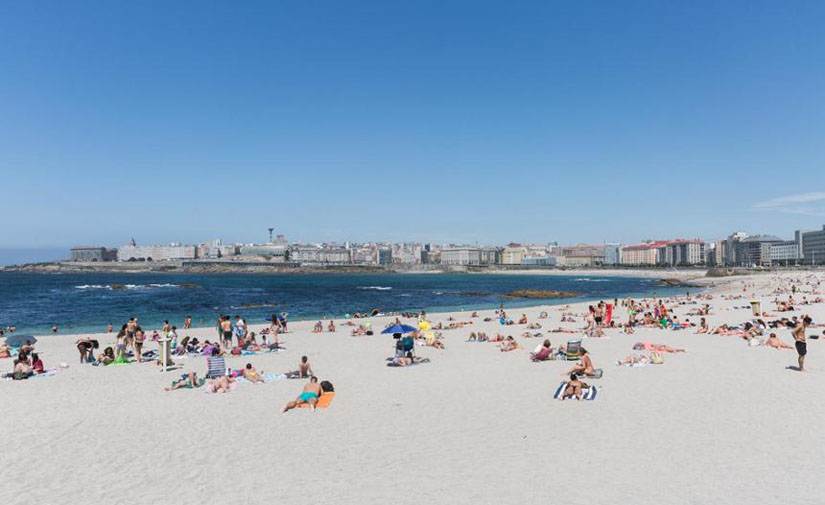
column 309, row 395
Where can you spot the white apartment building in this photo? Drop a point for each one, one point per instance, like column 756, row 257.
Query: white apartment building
column 133, row 252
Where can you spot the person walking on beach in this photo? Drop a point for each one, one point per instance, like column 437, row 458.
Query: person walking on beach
column 800, row 344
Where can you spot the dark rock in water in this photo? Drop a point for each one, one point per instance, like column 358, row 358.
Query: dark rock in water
column 117, row 286
column 189, row 285
column 477, row 294
column 541, row 293
column 677, row 282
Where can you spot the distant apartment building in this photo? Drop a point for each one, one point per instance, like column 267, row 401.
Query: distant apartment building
column 276, row 252
column 731, row 248
column 217, row 249
column 385, row 257
column 612, row 254
column 513, row 254
column 642, row 254
column 313, row 254
column 173, row 251
column 718, row 257
column 811, row 246
column 582, row 255
column 92, row 254
column 363, row 254
column 755, row 250
column 548, row 261
column 678, row 252
column 425, row 254
column 470, row 256
column 681, row 252
column 784, row 253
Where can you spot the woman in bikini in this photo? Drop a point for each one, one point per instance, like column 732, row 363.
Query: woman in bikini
column 585, row 366
column 574, row 388
column 140, row 337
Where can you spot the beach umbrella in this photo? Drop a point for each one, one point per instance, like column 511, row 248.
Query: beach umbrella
column 424, row 325
column 18, row 340
column 399, row 328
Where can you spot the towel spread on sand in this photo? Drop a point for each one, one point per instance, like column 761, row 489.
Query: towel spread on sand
column 46, row 373
column 323, row 401
column 268, row 377
column 588, row 393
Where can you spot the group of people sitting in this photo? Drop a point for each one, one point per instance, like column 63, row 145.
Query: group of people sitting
column 26, row 364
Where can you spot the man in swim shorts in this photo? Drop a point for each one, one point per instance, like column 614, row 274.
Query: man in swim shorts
column 309, row 395
column 800, row 344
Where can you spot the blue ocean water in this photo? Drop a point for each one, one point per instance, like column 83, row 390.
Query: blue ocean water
column 87, row 302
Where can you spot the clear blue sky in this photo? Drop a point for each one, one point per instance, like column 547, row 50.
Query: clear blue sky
column 464, row 121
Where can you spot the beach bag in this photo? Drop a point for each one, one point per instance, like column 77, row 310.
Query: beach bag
column 656, row 358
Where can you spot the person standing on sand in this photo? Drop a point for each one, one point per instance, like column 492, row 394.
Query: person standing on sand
column 187, row 323
column 130, row 332
column 800, row 344
column 598, row 314
column 226, row 327
column 240, row 329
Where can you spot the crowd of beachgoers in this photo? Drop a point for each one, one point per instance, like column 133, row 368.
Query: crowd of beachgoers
column 413, row 331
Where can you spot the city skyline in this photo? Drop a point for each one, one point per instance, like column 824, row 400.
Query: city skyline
column 430, row 122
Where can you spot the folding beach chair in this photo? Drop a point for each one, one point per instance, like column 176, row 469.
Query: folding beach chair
column 574, row 350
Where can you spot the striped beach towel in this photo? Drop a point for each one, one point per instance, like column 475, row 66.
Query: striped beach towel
column 588, row 393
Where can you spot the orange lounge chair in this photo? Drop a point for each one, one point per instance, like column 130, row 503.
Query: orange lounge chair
column 323, row 401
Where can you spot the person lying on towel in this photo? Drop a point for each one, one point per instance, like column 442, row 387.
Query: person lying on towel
column 574, row 388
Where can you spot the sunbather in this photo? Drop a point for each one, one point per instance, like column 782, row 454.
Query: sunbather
column 543, row 352
column 187, row 381
column 773, row 341
column 249, row 373
column 309, row 395
column 509, row 344
column 632, row 360
column 574, row 388
column 222, row 384
column 584, row 366
column 409, row 360
column 304, row 370
column 107, row 357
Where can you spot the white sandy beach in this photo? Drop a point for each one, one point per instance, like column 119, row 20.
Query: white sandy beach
column 721, row 423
